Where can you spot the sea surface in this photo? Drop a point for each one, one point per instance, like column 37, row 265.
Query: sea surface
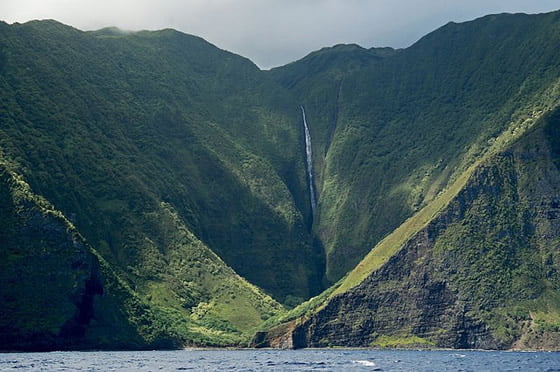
column 282, row 360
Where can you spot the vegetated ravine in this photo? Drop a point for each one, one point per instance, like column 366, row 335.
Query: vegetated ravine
column 158, row 192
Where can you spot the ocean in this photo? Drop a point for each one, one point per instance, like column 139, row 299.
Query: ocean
column 282, row 360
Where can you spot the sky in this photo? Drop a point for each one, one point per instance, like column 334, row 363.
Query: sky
column 273, row 32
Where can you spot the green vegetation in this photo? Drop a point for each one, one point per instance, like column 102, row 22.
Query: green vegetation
column 154, row 184
column 138, row 141
column 384, row 341
column 394, row 241
column 410, row 128
column 57, row 292
column 482, row 272
column 392, row 129
column 59, row 275
column 302, row 311
column 107, row 128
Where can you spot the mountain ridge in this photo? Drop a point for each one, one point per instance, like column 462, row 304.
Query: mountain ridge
column 528, row 321
column 417, row 92
column 182, row 166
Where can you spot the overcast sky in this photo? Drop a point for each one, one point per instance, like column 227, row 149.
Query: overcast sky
column 273, row 32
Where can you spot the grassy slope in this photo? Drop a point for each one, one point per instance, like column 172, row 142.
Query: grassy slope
column 406, row 124
column 393, row 242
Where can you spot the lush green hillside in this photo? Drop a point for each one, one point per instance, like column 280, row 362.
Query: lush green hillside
column 153, row 184
column 482, row 273
column 108, row 126
column 161, row 150
column 405, row 146
column 392, row 129
column 57, row 293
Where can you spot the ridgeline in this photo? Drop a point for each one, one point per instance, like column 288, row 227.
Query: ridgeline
column 157, row 191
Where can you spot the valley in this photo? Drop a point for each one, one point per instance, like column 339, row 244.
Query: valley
column 159, row 192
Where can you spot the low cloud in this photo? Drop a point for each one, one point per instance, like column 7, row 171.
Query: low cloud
column 272, row 32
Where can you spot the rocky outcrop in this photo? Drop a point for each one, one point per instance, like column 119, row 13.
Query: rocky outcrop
column 281, row 337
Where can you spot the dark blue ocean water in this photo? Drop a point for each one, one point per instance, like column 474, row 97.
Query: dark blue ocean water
column 280, row 360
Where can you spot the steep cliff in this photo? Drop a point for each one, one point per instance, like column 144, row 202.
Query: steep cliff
column 107, row 126
column 59, row 293
column 482, row 274
column 56, row 292
column 393, row 128
column 152, row 184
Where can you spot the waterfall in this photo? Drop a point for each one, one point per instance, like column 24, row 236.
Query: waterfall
column 309, row 163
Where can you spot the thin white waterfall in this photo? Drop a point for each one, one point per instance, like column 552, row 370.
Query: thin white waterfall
column 309, row 162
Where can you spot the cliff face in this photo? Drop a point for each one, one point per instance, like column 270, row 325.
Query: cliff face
column 173, row 161
column 59, row 293
column 149, row 181
column 107, row 127
column 56, row 292
column 391, row 130
column 482, row 274
column 41, row 251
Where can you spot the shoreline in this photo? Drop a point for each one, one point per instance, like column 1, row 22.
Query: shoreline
column 342, row 348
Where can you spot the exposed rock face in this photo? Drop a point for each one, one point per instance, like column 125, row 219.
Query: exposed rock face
column 279, row 338
column 406, row 296
column 477, row 276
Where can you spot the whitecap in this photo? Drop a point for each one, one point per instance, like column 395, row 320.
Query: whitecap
column 366, row 363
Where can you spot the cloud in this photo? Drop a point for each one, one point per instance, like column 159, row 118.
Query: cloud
column 272, row 32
